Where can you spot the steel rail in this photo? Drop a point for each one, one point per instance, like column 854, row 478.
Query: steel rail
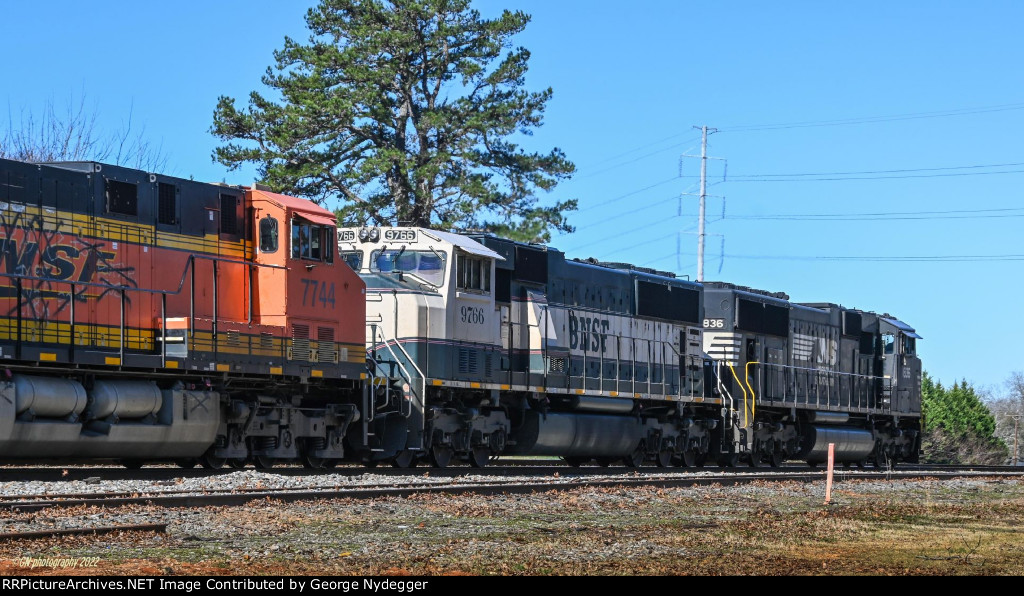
column 199, row 500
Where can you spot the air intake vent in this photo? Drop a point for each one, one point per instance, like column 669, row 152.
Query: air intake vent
column 300, row 342
column 468, row 361
column 327, row 350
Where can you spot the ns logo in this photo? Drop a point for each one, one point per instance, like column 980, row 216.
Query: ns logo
column 828, row 351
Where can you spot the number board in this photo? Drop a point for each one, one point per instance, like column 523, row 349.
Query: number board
column 346, row 236
column 714, row 323
column 400, row 235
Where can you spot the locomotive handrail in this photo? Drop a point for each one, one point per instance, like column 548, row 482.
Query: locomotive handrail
column 722, row 389
column 404, row 353
column 403, row 371
column 753, row 394
column 831, row 374
column 123, row 291
column 740, row 383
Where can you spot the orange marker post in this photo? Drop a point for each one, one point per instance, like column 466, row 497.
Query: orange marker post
column 828, row 478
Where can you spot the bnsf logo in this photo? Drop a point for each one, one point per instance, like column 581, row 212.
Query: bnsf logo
column 62, row 262
column 400, row 235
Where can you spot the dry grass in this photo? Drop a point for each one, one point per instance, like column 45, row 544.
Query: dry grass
column 871, row 528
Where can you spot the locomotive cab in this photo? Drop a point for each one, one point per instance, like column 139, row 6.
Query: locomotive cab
column 900, row 364
column 306, row 299
column 432, row 326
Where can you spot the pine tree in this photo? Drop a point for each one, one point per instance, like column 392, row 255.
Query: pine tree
column 958, row 426
column 407, row 111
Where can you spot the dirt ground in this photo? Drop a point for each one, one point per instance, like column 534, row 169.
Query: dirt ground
column 872, row 527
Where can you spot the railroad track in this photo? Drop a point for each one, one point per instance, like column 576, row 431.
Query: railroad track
column 502, row 467
column 240, row 497
column 30, row 535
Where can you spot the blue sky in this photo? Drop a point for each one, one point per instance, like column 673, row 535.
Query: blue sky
column 860, row 138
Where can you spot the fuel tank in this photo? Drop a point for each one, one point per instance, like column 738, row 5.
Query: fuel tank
column 591, row 435
column 852, row 444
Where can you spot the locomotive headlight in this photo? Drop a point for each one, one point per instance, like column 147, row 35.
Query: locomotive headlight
column 374, row 234
column 364, row 234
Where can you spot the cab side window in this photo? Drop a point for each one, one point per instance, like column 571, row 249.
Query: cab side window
column 268, row 234
column 474, row 274
column 311, row 241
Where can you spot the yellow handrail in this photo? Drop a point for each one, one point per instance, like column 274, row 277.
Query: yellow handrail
column 740, row 383
column 753, row 396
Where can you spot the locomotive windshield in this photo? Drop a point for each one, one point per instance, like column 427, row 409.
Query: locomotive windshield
column 428, row 266
column 353, row 260
column 310, row 241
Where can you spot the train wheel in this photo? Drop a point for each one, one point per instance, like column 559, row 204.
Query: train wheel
column 689, row 459
column 187, row 464
column 728, row 460
column 211, row 462
column 776, row 459
column 636, row 458
column 312, row 462
column 405, row 458
column 132, row 464
column 263, row 462
column 575, row 461
column 755, row 456
column 440, row 456
column 861, row 464
column 479, row 457
column 665, row 458
column 604, row 462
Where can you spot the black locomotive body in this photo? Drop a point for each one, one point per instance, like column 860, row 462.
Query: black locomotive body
column 801, row 376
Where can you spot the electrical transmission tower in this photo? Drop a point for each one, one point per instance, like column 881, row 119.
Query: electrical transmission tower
column 702, row 217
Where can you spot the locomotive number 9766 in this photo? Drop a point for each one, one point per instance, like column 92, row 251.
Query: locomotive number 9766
column 401, row 235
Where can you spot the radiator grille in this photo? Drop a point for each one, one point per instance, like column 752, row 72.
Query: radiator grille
column 468, row 361
column 300, row 342
column 327, row 350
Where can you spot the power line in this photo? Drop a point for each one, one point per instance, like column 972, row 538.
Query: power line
column 900, row 171
column 899, row 259
column 894, row 215
column 625, row 163
column 612, row 216
column 646, row 226
column 876, row 119
column 645, row 146
column 636, row 245
column 627, row 195
column 808, row 179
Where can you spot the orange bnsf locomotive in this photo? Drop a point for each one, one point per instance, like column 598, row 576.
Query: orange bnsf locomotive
column 150, row 318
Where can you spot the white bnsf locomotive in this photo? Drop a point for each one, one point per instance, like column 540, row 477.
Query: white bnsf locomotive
column 509, row 348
